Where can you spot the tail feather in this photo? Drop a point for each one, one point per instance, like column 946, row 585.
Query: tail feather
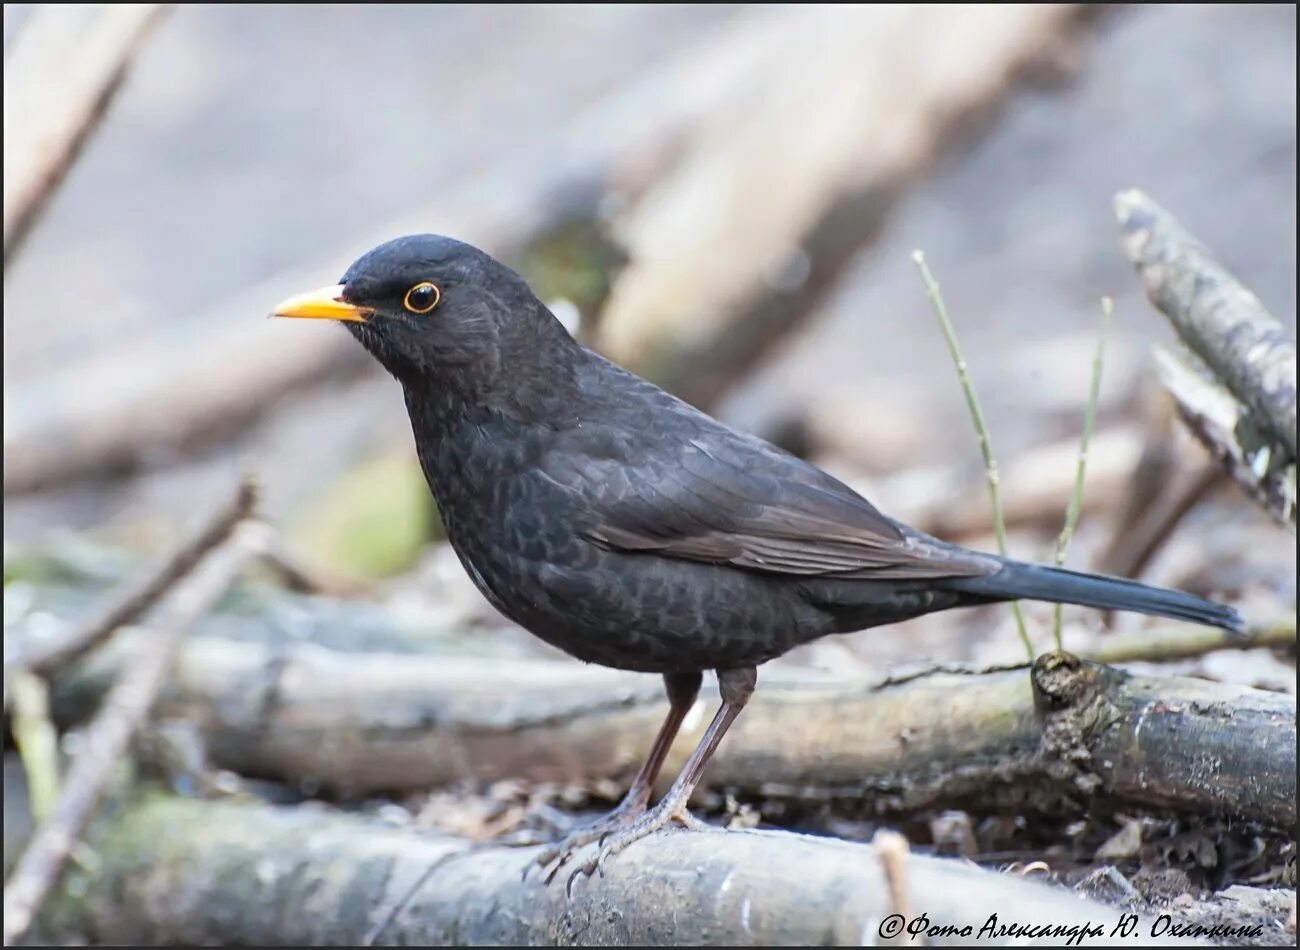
column 1019, row 581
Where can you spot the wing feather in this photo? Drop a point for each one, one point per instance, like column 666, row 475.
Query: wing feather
column 673, row 481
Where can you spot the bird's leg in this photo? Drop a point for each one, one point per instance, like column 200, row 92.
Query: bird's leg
column 682, row 690
column 736, row 686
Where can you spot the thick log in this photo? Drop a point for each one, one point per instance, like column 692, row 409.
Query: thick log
column 1056, row 739
column 109, row 735
column 186, row 872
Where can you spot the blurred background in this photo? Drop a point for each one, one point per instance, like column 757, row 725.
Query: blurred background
column 723, row 197
column 727, row 199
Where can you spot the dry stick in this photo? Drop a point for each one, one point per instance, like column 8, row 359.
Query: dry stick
column 108, row 737
column 981, row 430
column 37, row 741
column 1250, row 351
column 1089, row 419
column 220, row 382
column 60, row 74
column 1147, row 481
column 305, row 578
column 892, row 850
column 645, row 132
column 1130, row 556
column 1185, row 641
column 130, row 603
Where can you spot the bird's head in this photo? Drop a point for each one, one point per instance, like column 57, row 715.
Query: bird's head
column 428, row 306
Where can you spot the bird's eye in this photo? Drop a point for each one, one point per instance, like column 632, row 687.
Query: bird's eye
column 422, row 298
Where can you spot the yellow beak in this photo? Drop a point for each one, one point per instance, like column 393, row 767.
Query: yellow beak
column 324, row 304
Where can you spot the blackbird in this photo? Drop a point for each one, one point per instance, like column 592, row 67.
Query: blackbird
column 629, row 529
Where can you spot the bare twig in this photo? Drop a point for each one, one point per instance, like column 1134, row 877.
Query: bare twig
column 37, row 741
column 647, row 133
column 1182, row 641
column 1089, row 419
column 1248, row 349
column 199, row 392
column 892, row 851
column 1148, row 478
column 981, row 429
column 109, row 735
column 60, row 74
column 1133, row 550
column 298, row 575
column 128, row 604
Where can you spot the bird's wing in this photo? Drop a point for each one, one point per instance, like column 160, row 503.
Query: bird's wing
column 682, row 485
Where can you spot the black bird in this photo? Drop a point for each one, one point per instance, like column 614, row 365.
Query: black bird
column 629, row 529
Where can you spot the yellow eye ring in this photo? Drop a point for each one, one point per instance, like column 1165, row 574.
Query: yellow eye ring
column 422, row 298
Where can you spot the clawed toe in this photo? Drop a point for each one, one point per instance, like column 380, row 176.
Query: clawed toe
column 614, row 841
column 561, row 852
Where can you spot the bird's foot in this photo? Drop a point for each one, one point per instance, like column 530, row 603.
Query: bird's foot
column 560, row 852
column 664, row 814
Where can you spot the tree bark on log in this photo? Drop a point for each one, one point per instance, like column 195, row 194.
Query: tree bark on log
column 1058, row 738
column 109, row 736
column 188, row 872
column 1248, row 348
column 1214, row 417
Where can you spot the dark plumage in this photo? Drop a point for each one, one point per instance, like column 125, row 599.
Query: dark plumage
column 629, row 529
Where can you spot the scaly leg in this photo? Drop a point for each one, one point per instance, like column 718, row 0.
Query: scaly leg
column 682, row 689
column 736, row 686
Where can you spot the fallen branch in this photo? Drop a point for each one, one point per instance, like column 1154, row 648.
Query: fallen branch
column 1131, row 551
column 1224, row 323
column 212, row 376
column 297, row 574
column 1149, row 479
column 1183, row 641
column 1214, row 417
column 44, row 659
column 742, row 273
column 109, row 735
column 60, row 73
column 1064, row 738
column 252, row 874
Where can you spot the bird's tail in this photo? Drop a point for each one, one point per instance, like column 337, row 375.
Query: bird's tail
column 1020, row 581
